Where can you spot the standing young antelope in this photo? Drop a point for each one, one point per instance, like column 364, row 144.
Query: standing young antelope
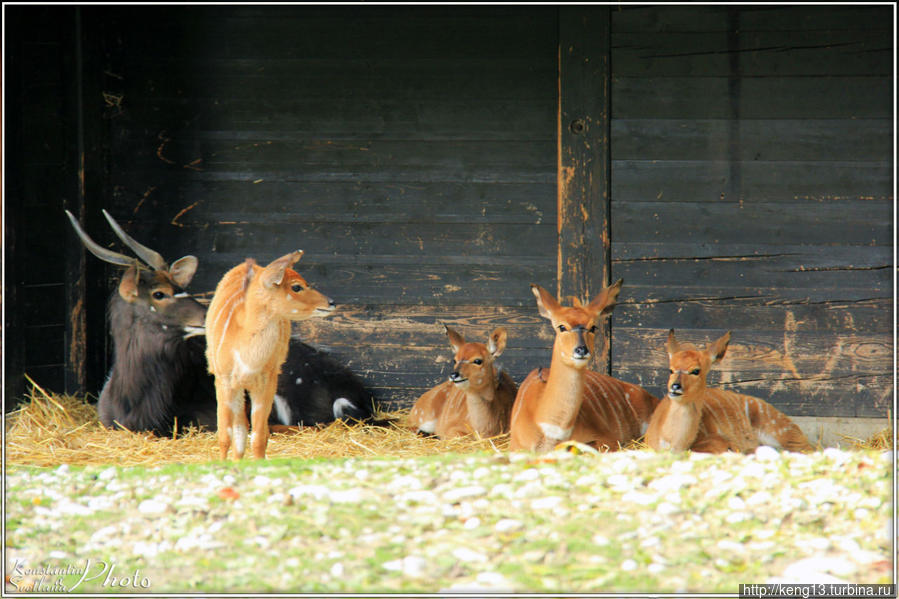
column 692, row 416
column 476, row 399
column 247, row 337
column 571, row 401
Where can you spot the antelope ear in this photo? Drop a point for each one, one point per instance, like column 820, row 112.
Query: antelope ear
column 718, row 348
column 128, row 286
column 456, row 340
column 603, row 303
column 546, row 302
column 183, row 270
column 273, row 274
column 672, row 345
column 496, row 342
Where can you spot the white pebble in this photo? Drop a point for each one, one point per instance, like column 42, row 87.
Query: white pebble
column 628, row 565
column 463, row 554
column 337, row 570
column 348, row 496
column 411, row 565
column 459, row 493
column 735, row 503
column 108, row 474
column 152, row 506
column 666, row 509
column 508, row 525
column 672, row 482
column 736, row 517
column 600, row 540
column 766, row 453
column 316, row 491
column 546, row 503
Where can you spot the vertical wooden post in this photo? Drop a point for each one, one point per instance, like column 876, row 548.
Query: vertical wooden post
column 584, row 159
column 76, row 328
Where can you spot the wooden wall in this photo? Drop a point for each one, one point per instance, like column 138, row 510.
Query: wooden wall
column 752, row 191
column 731, row 164
column 410, row 152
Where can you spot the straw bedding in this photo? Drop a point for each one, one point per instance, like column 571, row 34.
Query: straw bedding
column 52, row 429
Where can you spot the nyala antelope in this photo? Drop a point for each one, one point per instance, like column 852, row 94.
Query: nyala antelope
column 570, row 401
column 694, row 417
column 477, row 398
column 247, row 337
column 159, row 377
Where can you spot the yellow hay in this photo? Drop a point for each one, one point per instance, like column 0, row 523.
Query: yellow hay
column 51, row 429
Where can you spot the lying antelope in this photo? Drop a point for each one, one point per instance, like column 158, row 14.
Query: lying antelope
column 247, row 338
column 695, row 417
column 158, row 371
column 159, row 375
column 476, row 399
column 570, row 401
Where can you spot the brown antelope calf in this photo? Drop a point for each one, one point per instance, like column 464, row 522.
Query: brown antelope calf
column 247, row 337
column 695, row 417
column 475, row 399
column 571, row 401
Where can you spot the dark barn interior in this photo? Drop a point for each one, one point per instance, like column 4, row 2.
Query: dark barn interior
column 733, row 164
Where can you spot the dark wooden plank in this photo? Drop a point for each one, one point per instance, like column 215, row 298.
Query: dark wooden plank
column 690, row 18
column 763, row 223
column 407, row 283
column 341, row 202
column 870, row 317
column 584, row 157
column 393, row 326
column 777, row 140
column 197, row 32
column 758, row 97
column 818, row 275
column 708, row 181
column 425, row 161
column 498, row 115
column 790, row 53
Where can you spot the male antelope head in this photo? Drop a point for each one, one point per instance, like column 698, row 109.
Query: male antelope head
column 156, row 294
column 474, row 361
column 285, row 292
column 575, row 326
column 689, row 366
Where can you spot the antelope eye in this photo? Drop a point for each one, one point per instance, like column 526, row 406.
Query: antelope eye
column 296, row 287
column 670, row 371
column 562, row 328
column 477, row 361
column 695, row 372
column 158, row 295
column 593, row 329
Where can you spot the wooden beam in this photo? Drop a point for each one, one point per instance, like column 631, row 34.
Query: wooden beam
column 584, row 159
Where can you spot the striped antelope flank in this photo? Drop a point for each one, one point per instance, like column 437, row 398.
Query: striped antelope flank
column 476, row 399
column 692, row 416
column 569, row 401
column 247, row 337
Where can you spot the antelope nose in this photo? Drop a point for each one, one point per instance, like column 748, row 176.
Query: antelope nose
column 580, row 352
column 455, row 377
column 332, row 303
column 676, row 389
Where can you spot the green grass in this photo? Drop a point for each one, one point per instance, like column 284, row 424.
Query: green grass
column 616, row 522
